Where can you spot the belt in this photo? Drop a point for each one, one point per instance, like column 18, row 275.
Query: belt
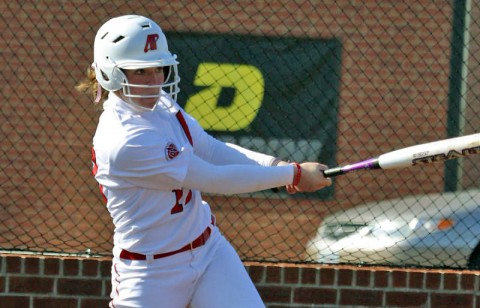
column 199, row 241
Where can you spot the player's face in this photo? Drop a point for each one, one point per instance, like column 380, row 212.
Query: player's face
column 145, row 76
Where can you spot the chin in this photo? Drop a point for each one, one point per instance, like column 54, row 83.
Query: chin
column 148, row 102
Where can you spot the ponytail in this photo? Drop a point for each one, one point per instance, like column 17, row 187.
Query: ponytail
column 91, row 86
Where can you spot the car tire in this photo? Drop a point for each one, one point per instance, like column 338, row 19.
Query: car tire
column 474, row 260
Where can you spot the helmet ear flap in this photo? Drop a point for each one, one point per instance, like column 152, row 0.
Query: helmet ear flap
column 110, row 77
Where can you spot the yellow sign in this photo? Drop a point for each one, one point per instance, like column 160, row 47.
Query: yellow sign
column 249, row 87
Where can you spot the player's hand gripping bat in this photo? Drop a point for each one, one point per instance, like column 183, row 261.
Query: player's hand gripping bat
column 425, row 153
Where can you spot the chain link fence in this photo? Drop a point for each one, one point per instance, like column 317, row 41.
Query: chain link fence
column 329, row 81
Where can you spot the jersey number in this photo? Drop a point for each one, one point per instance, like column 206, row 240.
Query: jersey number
column 178, row 207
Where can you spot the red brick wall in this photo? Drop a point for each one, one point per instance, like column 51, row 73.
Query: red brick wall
column 35, row 282
column 394, row 86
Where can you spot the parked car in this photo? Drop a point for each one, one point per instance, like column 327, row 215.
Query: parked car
column 438, row 230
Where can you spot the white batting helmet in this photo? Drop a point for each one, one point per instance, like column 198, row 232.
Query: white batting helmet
column 133, row 42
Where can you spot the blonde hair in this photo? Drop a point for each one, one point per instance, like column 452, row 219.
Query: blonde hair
column 90, row 86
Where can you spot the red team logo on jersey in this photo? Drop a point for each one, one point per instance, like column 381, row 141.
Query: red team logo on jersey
column 151, row 43
column 171, row 151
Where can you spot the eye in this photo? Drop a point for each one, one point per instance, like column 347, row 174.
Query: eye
column 139, row 71
column 159, row 70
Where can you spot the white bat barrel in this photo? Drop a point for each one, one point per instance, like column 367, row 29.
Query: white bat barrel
column 431, row 152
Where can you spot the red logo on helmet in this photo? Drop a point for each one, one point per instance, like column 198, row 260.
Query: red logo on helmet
column 151, row 43
column 171, row 151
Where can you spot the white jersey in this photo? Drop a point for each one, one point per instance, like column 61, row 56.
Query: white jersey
column 140, row 163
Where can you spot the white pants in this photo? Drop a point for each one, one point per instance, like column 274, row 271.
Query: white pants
column 210, row 276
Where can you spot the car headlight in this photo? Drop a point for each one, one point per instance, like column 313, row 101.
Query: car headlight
column 388, row 228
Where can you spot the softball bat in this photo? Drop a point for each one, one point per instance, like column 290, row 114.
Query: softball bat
column 425, row 153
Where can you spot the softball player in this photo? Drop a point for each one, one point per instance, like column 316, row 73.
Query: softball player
column 152, row 160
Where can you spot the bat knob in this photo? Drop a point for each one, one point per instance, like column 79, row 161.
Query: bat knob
column 333, row 172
